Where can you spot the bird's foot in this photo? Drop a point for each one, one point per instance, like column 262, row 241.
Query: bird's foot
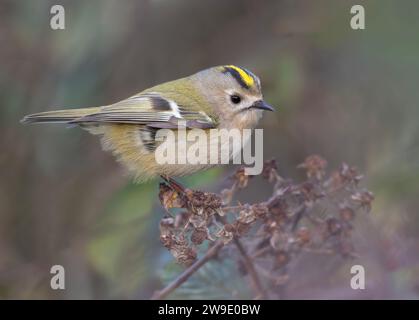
column 173, row 184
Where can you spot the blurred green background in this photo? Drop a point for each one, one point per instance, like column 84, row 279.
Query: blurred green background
column 347, row 95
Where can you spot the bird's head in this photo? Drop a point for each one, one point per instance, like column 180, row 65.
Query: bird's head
column 234, row 93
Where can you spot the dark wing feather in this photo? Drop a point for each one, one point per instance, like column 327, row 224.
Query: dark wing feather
column 150, row 109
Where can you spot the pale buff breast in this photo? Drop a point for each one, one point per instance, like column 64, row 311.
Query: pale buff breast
column 125, row 142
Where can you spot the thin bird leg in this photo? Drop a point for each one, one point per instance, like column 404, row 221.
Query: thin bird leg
column 174, row 184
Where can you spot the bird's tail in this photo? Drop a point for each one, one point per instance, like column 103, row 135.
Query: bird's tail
column 58, row 116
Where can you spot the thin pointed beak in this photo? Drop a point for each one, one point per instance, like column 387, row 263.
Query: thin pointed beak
column 260, row 104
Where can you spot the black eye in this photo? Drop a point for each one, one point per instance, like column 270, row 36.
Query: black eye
column 235, row 99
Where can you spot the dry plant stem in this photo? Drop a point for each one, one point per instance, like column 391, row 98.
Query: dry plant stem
column 261, row 252
column 298, row 217
column 184, row 276
column 261, row 293
column 248, row 263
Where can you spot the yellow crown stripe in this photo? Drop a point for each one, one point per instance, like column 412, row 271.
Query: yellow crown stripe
column 247, row 79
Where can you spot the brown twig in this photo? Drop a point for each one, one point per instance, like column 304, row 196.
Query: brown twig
column 233, row 208
column 248, row 263
column 261, row 252
column 261, row 293
column 161, row 294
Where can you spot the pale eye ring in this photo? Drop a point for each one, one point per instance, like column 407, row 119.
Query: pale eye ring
column 235, row 99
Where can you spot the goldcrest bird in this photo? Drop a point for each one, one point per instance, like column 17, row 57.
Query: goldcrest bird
column 223, row 97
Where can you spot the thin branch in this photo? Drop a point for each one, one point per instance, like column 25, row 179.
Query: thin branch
column 161, row 294
column 248, row 263
column 261, row 252
column 300, row 213
column 261, row 293
column 233, row 208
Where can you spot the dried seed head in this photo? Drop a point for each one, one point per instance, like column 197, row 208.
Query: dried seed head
column 199, row 235
column 185, row 256
column 205, row 200
column 310, row 191
column 199, row 219
column 303, row 236
column 225, row 235
column 278, row 207
column 364, row 198
column 246, row 216
column 167, row 241
column 169, row 198
column 314, row 166
column 349, row 174
column 260, row 210
column 269, row 170
column 345, row 175
column 166, row 232
column 334, row 226
column 241, row 178
column 229, row 227
column 270, row 226
column 241, row 228
column 346, row 213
